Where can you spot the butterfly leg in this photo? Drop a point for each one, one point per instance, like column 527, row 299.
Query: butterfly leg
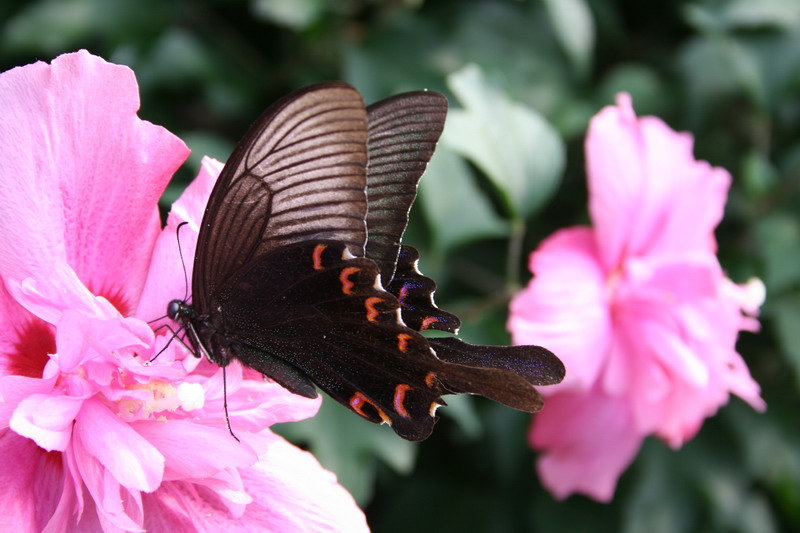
column 225, row 403
column 175, row 335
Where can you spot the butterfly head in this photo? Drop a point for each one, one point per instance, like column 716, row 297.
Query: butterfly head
column 180, row 311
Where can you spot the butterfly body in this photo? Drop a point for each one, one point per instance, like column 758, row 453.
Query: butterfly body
column 297, row 242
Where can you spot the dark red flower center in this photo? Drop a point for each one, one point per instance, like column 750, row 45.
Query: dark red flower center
column 30, row 353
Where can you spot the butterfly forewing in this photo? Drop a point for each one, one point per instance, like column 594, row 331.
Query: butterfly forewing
column 298, row 174
column 403, row 131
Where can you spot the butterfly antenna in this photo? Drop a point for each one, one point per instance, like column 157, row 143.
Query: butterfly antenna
column 225, row 403
column 183, row 263
column 185, row 295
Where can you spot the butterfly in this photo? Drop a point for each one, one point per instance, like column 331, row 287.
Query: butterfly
column 299, row 272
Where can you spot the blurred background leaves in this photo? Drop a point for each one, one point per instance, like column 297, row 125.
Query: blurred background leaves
column 523, row 78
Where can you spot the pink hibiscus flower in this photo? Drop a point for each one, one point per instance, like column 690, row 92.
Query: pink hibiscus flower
column 637, row 307
column 92, row 436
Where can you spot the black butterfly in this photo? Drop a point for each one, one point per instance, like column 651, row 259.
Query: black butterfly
column 299, row 273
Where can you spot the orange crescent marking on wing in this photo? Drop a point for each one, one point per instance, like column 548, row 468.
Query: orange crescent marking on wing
column 402, row 341
column 317, row 256
column 357, row 403
column 399, row 398
column 426, row 323
column 370, row 303
column 430, row 379
column 344, row 277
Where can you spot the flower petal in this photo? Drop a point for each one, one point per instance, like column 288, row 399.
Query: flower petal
column 166, row 276
column 588, row 440
column 647, row 192
column 74, row 127
column 25, row 341
column 193, row 450
column 254, row 403
column 133, row 461
column 115, row 506
column 32, row 487
column 664, row 358
column 260, row 404
column 290, row 491
column 46, row 419
column 57, row 290
column 564, row 308
column 14, row 389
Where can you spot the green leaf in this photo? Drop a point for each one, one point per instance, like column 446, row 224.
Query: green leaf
column 777, row 13
column 574, row 27
column 745, row 14
column 642, row 82
column 50, row 25
column 461, row 409
column 764, row 67
column 204, row 144
column 512, row 144
column 744, row 65
column 785, row 313
column 294, row 14
column 778, row 237
column 758, row 174
column 453, row 205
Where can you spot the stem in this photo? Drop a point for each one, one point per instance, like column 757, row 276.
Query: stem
column 514, row 254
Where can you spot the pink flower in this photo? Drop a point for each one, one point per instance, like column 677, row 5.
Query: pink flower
column 92, row 436
column 637, row 307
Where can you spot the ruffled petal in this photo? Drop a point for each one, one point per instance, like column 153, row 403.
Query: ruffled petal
column 647, row 192
column 290, row 492
column 193, row 450
column 32, row 485
column 14, row 389
column 253, row 403
column 260, row 404
column 666, row 358
column 57, row 290
column 302, row 495
column 132, row 460
column 46, row 419
column 25, row 341
column 113, row 505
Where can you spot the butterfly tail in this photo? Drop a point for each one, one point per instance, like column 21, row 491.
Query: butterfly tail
column 505, row 374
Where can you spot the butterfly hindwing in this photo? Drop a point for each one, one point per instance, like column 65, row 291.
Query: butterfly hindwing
column 403, row 131
column 415, row 293
column 498, row 384
column 326, row 302
column 537, row 365
column 503, row 364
